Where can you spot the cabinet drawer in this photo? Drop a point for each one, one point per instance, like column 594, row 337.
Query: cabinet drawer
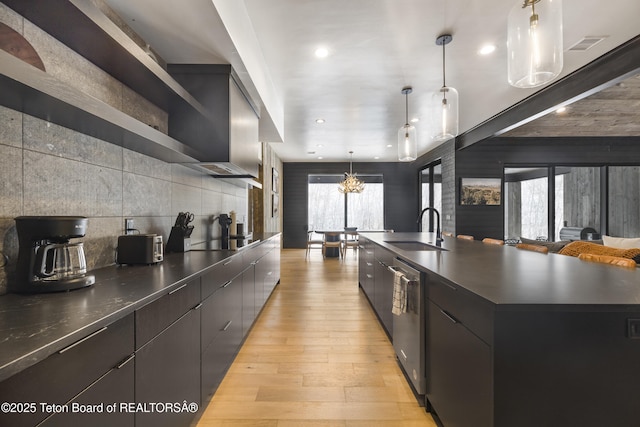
column 219, row 309
column 154, row 317
column 221, row 274
column 61, row 376
column 114, row 388
column 475, row 313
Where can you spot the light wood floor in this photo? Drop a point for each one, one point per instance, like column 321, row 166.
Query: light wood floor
column 316, row 356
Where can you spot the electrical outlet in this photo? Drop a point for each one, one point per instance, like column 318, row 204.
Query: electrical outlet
column 128, row 226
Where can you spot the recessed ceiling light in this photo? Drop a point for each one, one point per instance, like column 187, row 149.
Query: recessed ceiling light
column 319, row 145
column 376, row 157
column 487, row 49
column 319, row 121
column 415, row 120
column 322, row 52
column 320, row 158
column 389, row 145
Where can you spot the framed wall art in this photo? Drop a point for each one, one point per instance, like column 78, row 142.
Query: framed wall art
column 480, row 191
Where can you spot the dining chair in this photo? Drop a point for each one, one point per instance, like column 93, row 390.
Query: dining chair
column 534, row 248
column 608, row 259
column 313, row 242
column 332, row 240
column 491, row 241
column 464, row 237
column 350, row 240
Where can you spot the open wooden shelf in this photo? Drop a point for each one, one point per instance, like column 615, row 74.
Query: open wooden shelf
column 29, row 90
column 82, row 27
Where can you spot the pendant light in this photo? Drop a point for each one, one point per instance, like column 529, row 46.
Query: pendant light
column 534, row 42
column 407, row 137
column 445, row 102
column 351, row 184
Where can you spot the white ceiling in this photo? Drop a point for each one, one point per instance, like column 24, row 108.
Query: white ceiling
column 376, row 47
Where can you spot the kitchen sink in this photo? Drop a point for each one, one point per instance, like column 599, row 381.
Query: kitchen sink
column 413, row 245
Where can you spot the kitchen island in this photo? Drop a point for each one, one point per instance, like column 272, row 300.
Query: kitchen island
column 142, row 334
column 518, row 338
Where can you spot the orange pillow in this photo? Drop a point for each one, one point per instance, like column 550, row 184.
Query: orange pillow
column 582, row 247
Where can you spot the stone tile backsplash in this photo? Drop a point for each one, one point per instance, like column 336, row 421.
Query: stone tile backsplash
column 55, row 171
column 46, row 169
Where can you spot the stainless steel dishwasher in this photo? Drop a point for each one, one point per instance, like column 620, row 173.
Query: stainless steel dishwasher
column 409, row 326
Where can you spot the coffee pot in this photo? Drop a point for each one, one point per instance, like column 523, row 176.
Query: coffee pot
column 47, row 260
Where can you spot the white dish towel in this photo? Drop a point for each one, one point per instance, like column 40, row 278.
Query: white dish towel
column 399, row 294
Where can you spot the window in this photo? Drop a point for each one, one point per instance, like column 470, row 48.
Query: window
column 328, row 209
column 526, row 203
column 578, row 204
column 431, row 188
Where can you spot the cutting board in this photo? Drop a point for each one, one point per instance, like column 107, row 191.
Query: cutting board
column 13, row 42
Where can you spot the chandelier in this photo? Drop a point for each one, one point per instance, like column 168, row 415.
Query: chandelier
column 351, row 184
column 407, row 138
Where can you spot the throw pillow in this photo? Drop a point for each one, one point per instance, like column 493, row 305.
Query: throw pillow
column 621, row 242
column 554, row 247
column 583, row 247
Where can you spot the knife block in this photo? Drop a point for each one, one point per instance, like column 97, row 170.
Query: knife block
column 179, row 240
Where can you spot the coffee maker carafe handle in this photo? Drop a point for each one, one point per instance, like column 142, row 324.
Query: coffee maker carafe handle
column 40, row 263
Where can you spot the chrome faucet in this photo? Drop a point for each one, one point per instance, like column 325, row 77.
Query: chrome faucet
column 438, row 232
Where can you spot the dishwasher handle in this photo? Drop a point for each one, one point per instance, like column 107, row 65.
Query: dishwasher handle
column 395, row 270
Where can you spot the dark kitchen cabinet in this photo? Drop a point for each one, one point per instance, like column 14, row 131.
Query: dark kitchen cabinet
column 229, row 139
column 155, row 317
column 168, row 354
column 366, row 271
column 459, row 372
column 168, row 372
column 383, row 287
column 82, row 367
column 251, row 290
column 91, row 407
column 221, row 332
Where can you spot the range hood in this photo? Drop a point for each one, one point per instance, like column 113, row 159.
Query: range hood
column 228, row 139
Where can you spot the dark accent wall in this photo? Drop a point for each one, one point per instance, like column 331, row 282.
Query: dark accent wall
column 401, row 194
column 447, row 155
column 488, row 158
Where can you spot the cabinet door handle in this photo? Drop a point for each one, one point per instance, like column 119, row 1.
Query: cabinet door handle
column 197, row 307
column 448, row 316
column 177, row 289
column 125, row 361
column 82, row 340
column 226, row 284
column 227, row 325
column 228, row 262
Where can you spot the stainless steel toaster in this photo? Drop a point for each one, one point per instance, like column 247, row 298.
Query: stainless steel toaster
column 139, row 249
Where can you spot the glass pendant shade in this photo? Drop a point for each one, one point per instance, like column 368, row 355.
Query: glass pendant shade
column 407, row 143
column 534, row 42
column 407, row 135
column 445, row 114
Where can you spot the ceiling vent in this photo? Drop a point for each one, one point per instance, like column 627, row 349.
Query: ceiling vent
column 586, row 43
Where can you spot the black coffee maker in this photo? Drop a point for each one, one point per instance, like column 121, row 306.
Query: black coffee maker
column 47, row 260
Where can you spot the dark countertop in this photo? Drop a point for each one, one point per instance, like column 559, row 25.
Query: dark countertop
column 33, row 327
column 513, row 278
